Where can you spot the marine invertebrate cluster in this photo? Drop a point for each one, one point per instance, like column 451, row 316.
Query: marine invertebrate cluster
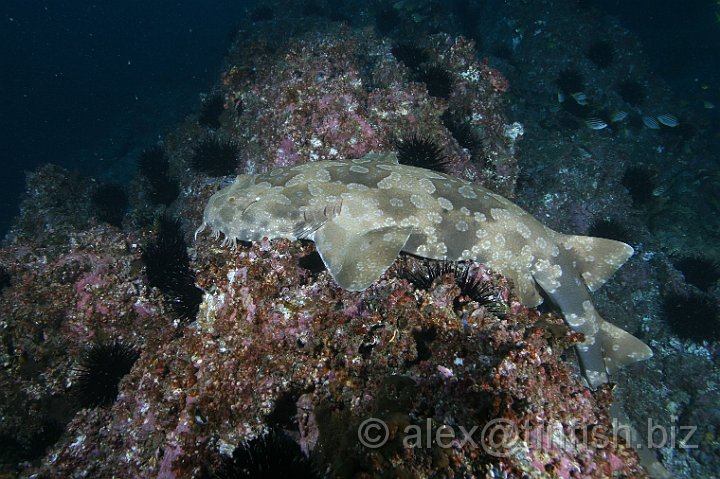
column 215, row 157
column 100, row 369
column 110, row 201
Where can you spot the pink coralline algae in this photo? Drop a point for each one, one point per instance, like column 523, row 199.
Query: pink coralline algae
column 271, row 333
column 344, row 95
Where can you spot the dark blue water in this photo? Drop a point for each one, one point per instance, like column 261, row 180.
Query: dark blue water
column 682, row 40
column 83, row 84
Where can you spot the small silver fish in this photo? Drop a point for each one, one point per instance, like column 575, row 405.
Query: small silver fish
column 595, row 124
column 668, row 120
column 651, row 122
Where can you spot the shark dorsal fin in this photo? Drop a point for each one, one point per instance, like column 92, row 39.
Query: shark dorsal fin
column 596, row 259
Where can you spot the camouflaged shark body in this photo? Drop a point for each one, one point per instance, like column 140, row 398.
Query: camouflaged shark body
column 362, row 213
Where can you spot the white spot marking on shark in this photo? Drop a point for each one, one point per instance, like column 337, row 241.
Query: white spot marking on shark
column 359, row 169
column 467, row 191
column 427, row 185
column 445, row 203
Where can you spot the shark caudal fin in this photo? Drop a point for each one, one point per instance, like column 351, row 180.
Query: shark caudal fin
column 608, row 350
column 596, row 259
column 620, row 348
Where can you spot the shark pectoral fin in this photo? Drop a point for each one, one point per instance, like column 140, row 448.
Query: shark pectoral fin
column 356, row 259
column 619, row 347
column 525, row 288
column 314, row 218
column 596, row 259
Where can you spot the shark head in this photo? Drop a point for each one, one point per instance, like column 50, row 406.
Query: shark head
column 250, row 211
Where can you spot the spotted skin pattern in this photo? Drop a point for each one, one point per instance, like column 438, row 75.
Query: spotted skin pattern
column 361, row 213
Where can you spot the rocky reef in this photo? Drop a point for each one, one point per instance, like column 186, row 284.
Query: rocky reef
column 457, row 386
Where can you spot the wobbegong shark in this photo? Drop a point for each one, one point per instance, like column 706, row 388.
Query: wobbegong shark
column 362, row 213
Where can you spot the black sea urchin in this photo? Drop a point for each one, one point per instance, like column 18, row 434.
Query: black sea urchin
column 412, row 56
column 694, row 316
column 424, row 276
column 699, row 271
column 439, row 82
column 471, row 287
column 274, row 455
column 4, row 278
column 609, row 229
column 168, row 269
column 463, row 133
column 153, row 164
column 101, row 367
column 421, row 152
column 110, row 202
column 215, row 157
column 601, row 53
column 210, row 111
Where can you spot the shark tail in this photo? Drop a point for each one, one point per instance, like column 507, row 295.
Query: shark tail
column 608, row 350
